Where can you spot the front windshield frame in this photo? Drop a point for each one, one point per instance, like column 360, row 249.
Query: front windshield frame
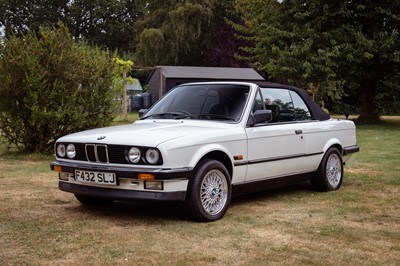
column 223, row 102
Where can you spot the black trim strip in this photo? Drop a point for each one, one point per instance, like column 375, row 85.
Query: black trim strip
column 121, row 194
column 351, row 149
column 280, row 158
column 267, row 184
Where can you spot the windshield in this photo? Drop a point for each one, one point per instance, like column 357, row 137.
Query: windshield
column 202, row 101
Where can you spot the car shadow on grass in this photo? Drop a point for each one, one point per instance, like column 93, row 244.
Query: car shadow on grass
column 275, row 194
column 126, row 210
column 157, row 212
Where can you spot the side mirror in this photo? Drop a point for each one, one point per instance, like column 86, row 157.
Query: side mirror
column 142, row 112
column 259, row 116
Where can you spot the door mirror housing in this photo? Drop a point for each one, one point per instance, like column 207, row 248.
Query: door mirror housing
column 258, row 117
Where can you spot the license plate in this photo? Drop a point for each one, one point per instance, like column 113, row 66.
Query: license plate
column 95, row 177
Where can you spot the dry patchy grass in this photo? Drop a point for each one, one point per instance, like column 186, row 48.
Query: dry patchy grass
column 357, row 225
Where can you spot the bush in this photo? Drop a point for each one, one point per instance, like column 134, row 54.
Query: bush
column 50, row 86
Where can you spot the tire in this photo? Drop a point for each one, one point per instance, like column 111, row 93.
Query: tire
column 329, row 176
column 86, row 200
column 209, row 191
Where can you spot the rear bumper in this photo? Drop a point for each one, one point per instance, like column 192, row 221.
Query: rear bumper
column 121, row 194
column 350, row 150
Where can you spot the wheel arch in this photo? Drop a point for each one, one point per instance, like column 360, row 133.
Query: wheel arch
column 221, row 157
column 333, row 143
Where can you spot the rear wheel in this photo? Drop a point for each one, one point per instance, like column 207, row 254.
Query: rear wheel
column 209, row 191
column 330, row 172
column 86, row 200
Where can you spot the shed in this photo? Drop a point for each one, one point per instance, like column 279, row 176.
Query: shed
column 164, row 78
column 134, row 88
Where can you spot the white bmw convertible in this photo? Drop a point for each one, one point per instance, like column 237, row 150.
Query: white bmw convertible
column 203, row 143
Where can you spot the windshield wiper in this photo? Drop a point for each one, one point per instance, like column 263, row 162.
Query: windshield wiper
column 213, row 117
column 183, row 115
column 173, row 115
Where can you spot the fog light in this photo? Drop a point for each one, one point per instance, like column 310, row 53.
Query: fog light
column 63, row 176
column 155, row 185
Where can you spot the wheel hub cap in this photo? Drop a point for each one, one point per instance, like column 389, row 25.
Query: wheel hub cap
column 213, row 192
column 334, row 170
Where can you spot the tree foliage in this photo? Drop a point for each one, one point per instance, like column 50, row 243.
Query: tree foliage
column 325, row 45
column 186, row 33
column 104, row 23
column 17, row 17
column 173, row 32
column 51, row 86
column 370, row 50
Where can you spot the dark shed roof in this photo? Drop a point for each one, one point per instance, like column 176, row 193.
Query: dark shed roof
column 165, row 78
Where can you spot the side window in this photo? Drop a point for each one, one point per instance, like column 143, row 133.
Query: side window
column 301, row 111
column 280, row 103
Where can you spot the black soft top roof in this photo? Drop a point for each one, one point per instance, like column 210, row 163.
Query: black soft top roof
column 316, row 111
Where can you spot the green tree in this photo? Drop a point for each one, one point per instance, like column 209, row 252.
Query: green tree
column 173, row 32
column 17, row 17
column 104, row 23
column 325, row 45
column 293, row 42
column 51, row 86
column 186, row 33
column 370, row 50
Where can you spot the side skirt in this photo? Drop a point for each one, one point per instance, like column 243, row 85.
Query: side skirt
column 267, row 184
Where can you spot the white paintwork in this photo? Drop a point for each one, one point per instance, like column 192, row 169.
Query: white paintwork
column 183, row 143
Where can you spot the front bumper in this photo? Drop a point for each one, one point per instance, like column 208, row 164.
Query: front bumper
column 127, row 172
column 128, row 185
column 121, row 194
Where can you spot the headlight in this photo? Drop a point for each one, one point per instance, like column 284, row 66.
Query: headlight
column 61, row 150
column 152, row 156
column 71, row 152
column 134, row 155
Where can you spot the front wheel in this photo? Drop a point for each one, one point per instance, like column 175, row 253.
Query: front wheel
column 330, row 172
column 209, row 191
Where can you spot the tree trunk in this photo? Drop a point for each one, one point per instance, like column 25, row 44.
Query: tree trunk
column 124, row 104
column 369, row 111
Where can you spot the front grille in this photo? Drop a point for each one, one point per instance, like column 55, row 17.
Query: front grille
column 97, row 153
column 101, row 153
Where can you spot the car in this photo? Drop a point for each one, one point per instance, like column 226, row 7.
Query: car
column 203, row 143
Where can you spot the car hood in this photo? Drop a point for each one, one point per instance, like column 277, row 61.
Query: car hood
column 147, row 133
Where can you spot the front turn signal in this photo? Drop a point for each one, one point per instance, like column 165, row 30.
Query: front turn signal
column 146, row 176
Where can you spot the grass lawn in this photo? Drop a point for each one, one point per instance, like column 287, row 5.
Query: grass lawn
column 356, row 225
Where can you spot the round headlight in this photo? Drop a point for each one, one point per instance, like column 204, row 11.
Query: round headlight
column 61, row 150
column 71, row 152
column 134, row 155
column 152, row 156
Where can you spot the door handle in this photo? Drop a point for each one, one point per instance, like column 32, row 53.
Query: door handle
column 298, row 131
